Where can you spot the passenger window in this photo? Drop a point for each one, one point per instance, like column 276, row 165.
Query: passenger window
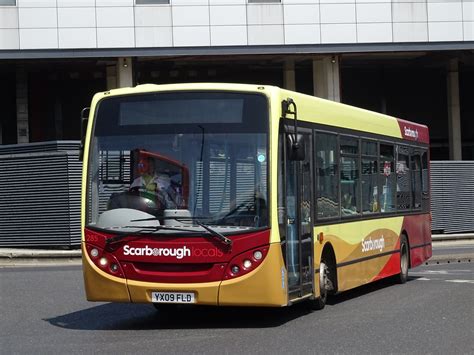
column 369, row 148
column 425, row 187
column 349, row 183
column 416, row 180
column 387, row 178
column 349, row 148
column 327, row 181
column 349, row 145
column 369, row 174
column 403, row 179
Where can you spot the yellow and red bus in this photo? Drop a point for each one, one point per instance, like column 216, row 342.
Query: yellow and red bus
column 247, row 195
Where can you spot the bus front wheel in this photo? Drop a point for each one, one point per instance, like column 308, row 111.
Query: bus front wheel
column 325, row 284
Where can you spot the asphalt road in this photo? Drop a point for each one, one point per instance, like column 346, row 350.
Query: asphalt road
column 44, row 311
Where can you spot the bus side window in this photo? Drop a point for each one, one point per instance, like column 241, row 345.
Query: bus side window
column 327, row 176
column 416, row 180
column 350, row 181
column 387, row 178
column 369, row 174
column 403, row 179
column 425, row 183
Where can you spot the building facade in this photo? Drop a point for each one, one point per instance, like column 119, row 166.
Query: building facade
column 413, row 59
column 408, row 58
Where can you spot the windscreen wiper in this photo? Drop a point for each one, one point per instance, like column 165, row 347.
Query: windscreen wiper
column 143, row 230
column 213, row 232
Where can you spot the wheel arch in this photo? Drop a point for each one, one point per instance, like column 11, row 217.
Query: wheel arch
column 328, row 250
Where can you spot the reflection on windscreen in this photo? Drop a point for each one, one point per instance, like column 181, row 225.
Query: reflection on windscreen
column 213, row 171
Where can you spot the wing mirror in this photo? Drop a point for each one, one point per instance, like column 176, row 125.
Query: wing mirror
column 84, row 121
column 294, row 141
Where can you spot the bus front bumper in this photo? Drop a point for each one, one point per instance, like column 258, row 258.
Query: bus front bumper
column 264, row 286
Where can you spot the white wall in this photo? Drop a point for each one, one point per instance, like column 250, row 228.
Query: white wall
column 64, row 24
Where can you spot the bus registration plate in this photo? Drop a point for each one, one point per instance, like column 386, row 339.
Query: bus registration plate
column 173, row 297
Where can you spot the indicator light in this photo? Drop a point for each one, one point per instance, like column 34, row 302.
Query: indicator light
column 257, row 255
column 247, row 263
column 94, row 253
column 235, row 269
column 114, row 267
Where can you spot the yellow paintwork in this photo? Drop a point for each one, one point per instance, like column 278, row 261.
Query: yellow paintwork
column 346, row 239
column 206, row 292
column 101, row 286
column 264, row 285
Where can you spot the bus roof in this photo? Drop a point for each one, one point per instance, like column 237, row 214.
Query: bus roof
column 310, row 109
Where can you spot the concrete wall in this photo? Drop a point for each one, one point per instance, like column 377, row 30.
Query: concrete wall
column 69, row 24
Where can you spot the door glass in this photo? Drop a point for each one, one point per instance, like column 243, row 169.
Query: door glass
column 306, row 224
column 299, row 221
column 293, row 249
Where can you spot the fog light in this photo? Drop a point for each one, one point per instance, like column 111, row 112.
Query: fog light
column 257, row 255
column 94, row 253
column 114, row 267
column 247, row 263
column 235, row 269
column 103, row 261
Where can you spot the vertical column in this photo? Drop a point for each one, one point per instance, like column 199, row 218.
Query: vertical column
column 454, row 111
column 326, row 78
column 289, row 81
column 111, row 72
column 124, row 72
column 23, row 134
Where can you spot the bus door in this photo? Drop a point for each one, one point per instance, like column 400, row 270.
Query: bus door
column 299, row 222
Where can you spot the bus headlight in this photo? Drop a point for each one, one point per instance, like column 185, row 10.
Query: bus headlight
column 94, row 253
column 257, row 255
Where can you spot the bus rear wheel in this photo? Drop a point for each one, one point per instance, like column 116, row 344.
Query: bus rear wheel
column 402, row 277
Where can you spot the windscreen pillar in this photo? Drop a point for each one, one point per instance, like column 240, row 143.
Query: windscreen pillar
column 23, row 130
column 124, row 72
column 326, row 82
column 289, row 81
column 454, row 111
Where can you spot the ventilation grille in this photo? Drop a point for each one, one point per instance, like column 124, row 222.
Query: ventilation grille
column 40, row 193
column 452, row 196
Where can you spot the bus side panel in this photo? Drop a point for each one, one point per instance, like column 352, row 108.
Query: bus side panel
column 100, row 286
column 364, row 251
column 265, row 286
column 356, row 272
column 418, row 229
